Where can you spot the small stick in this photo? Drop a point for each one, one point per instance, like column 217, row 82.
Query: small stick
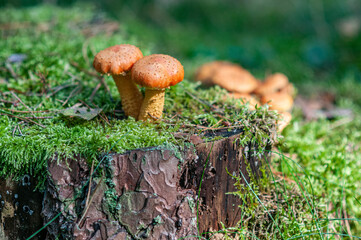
column 21, row 133
column 94, row 74
column 87, row 208
column 59, row 88
column 90, row 182
column 22, row 103
column 206, row 128
column 24, row 119
column 18, row 111
column 11, row 70
column 5, row 101
column 347, row 223
column 202, row 101
column 14, row 130
column 94, row 92
column 73, row 92
column 48, row 117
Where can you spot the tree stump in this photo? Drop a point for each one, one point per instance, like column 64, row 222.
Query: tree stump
column 149, row 193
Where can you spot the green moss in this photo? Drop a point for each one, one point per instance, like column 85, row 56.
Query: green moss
column 50, row 80
column 191, row 204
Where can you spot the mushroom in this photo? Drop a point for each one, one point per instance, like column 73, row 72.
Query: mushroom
column 273, row 83
column 235, row 79
column 285, row 119
column 156, row 72
column 289, row 89
column 278, row 101
column 118, row 61
column 205, row 72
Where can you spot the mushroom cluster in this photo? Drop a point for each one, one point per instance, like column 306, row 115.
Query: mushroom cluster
column 128, row 67
column 275, row 90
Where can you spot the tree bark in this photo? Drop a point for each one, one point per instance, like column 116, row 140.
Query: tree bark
column 20, row 207
column 150, row 193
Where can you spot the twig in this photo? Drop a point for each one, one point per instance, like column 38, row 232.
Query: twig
column 153, row 117
column 90, row 181
column 17, row 127
column 18, row 111
column 205, row 128
column 21, row 133
column 330, row 225
column 94, row 92
column 11, row 70
column 340, row 122
column 59, row 88
column 48, row 117
column 347, row 223
column 22, row 103
column 14, row 130
column 94, row 74
column 73, row 92
column 87, row 208
column 24, row 119
column 91, row 73
column 5, row 101
column 202, row 101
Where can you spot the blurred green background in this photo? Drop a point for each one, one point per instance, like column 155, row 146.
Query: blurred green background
column 308, row 40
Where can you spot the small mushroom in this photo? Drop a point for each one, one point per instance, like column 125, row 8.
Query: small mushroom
column 289, row 89
column 285, row 119
column 205, row 72
column 235, row 79
column 273, row 83
column 282, row 102
column 156, row 72
column 118, row 61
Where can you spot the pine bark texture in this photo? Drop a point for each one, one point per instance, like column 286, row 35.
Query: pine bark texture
column 148, row 193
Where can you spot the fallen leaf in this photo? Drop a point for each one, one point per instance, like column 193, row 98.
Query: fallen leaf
column 82, row 112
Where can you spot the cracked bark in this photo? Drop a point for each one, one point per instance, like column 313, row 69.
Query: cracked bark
column 148, row 193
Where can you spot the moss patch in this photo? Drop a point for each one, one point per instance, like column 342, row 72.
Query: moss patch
column 45, row 61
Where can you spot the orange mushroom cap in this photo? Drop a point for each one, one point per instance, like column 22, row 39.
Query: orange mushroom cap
column 285, row 119
column 205, row 72
column 117, row 59
column 157, row 71
column 273, row 83
column 235, row 79
column 278, row 101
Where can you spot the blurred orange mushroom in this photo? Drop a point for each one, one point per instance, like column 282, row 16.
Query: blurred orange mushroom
column 285, row 119
column 273, row 83
column 282, row 102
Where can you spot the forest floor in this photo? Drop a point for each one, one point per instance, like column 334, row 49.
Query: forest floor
column 314, row 189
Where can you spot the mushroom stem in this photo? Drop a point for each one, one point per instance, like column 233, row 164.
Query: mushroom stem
column 152, row 107
column 131, row 96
